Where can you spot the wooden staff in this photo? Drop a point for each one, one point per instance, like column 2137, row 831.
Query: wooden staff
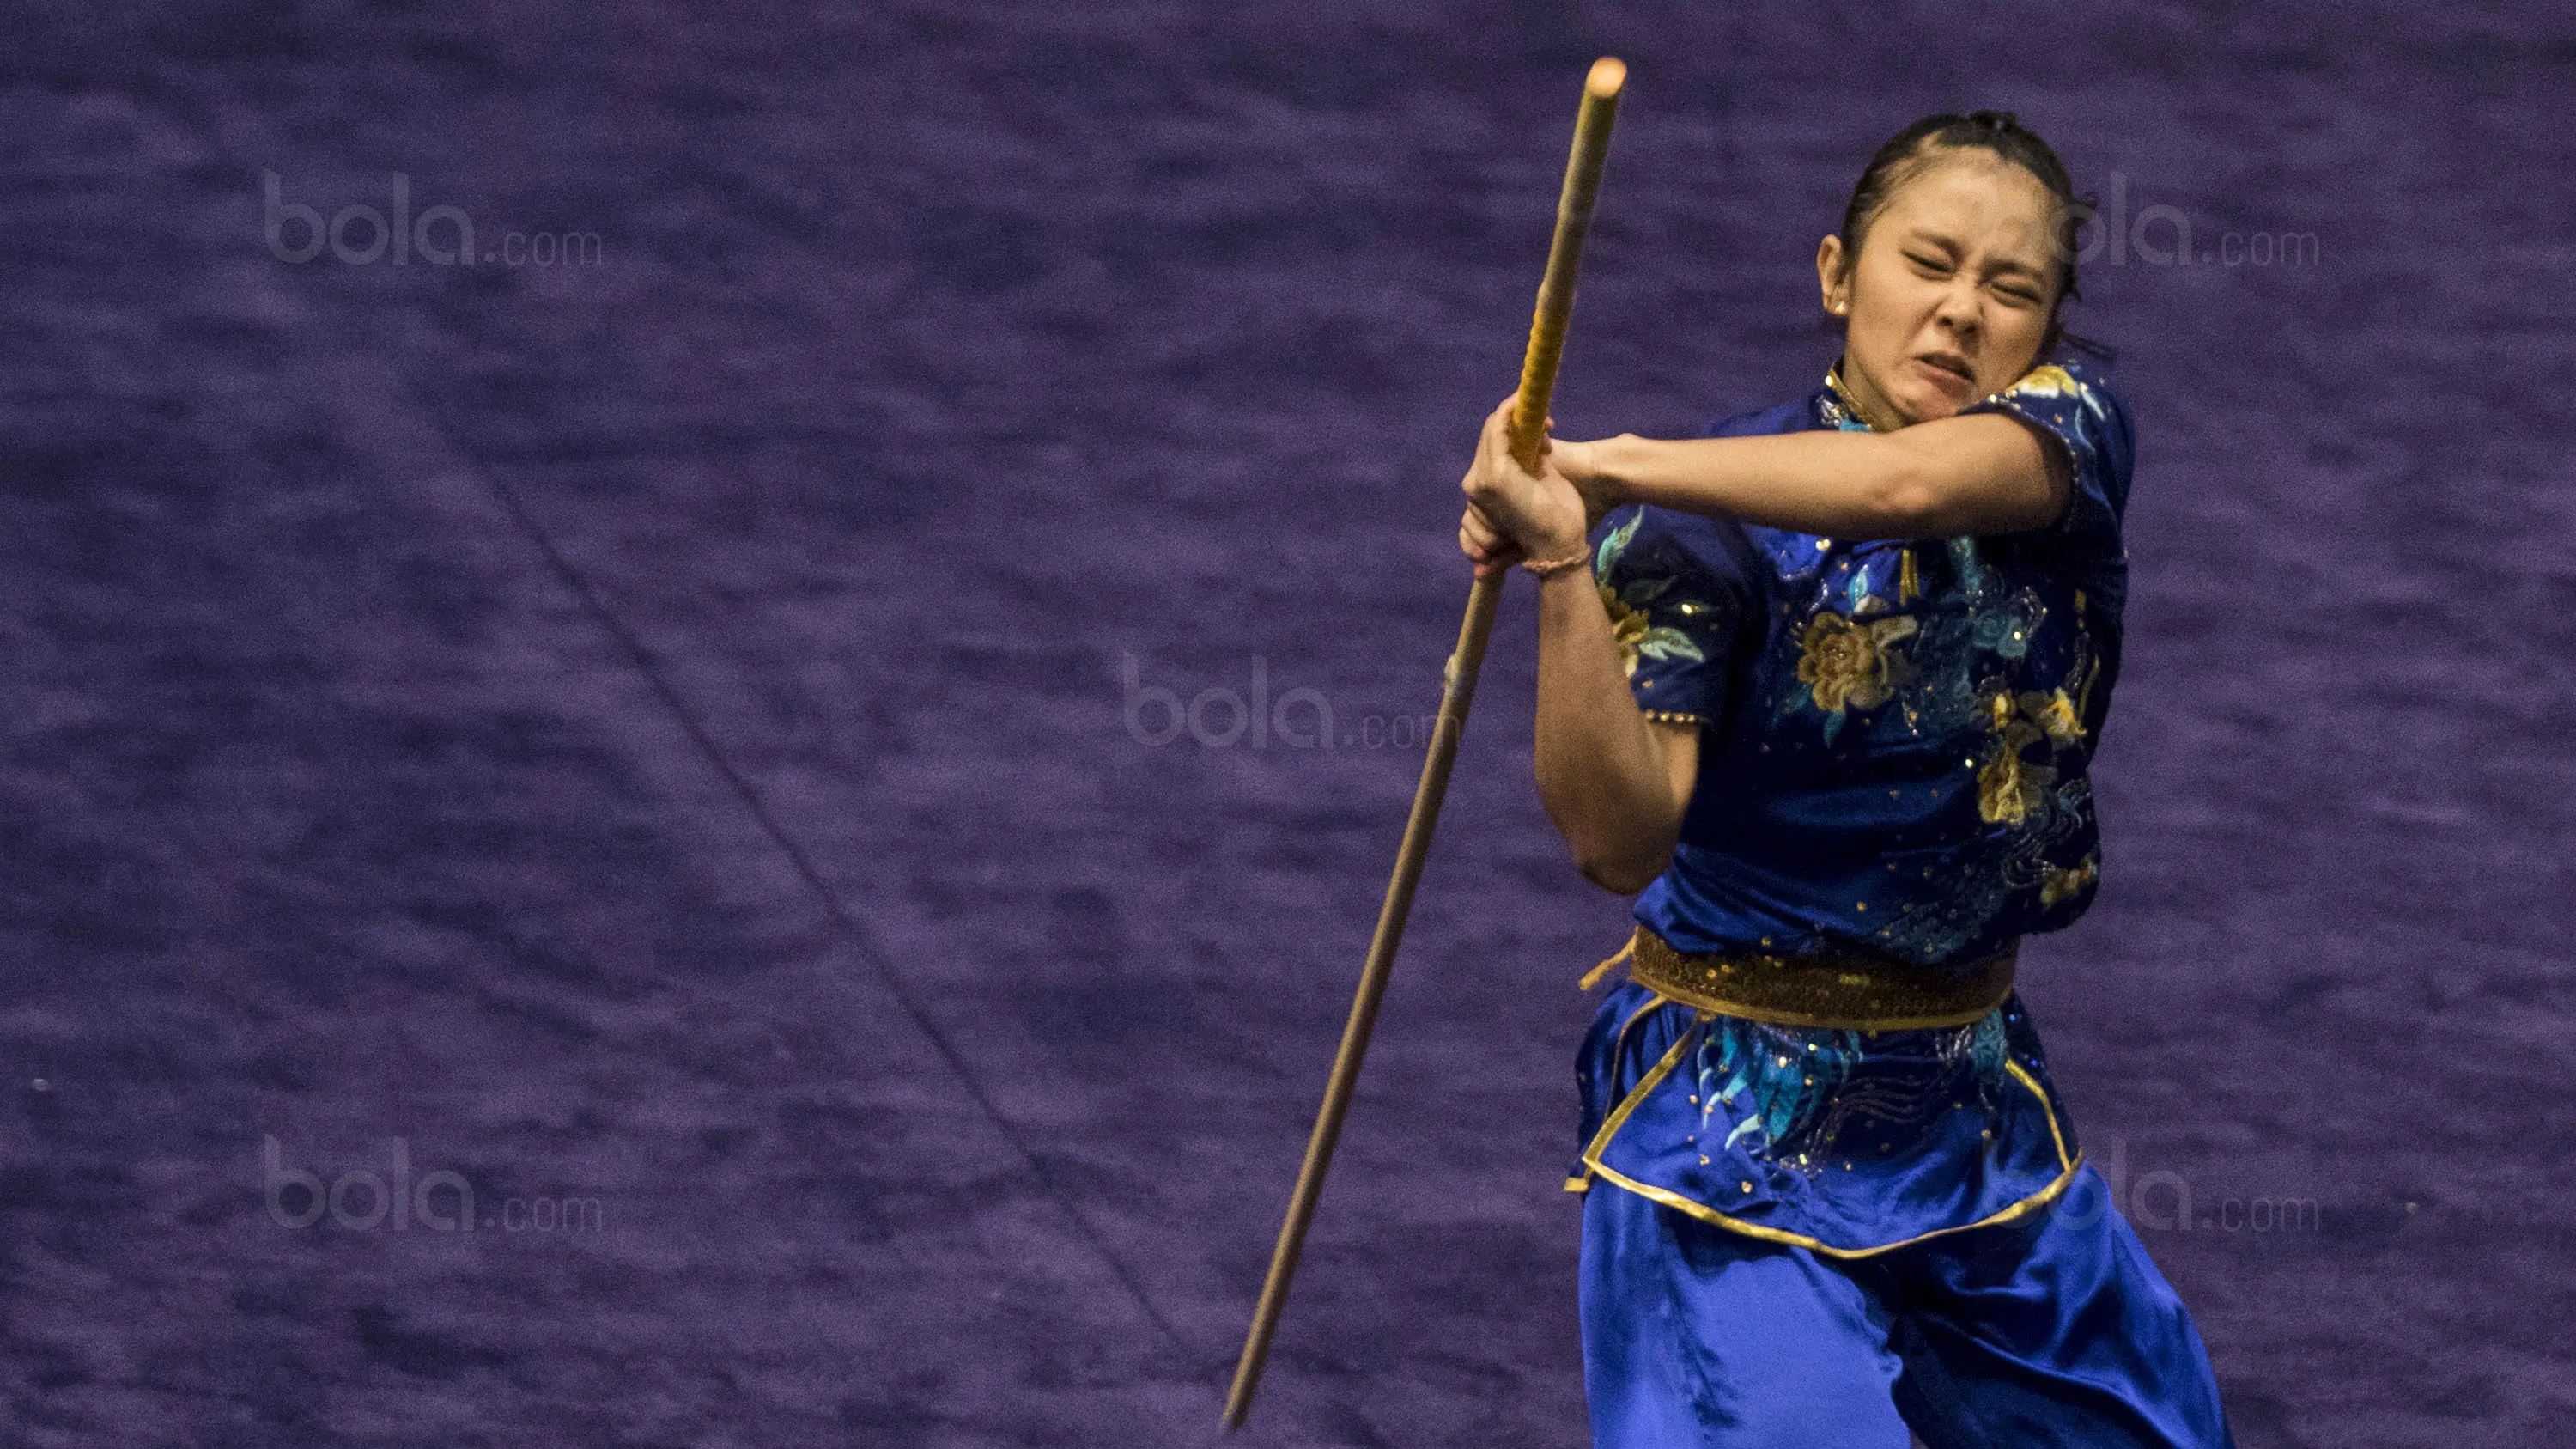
column 1527, row 431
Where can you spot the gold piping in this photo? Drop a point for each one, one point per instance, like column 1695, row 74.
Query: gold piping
column 1618, row 1047
column 2056, row 1136
column 1851, row 401
column 2009, row 1213
column 1618, row 1117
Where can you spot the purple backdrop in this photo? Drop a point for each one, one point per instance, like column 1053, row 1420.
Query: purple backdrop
column 650, row 726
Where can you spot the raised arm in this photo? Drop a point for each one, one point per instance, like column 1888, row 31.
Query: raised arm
column 1614, row 782
column 1981, row 473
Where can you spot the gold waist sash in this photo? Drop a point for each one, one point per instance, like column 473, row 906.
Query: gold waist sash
column 1856, row 992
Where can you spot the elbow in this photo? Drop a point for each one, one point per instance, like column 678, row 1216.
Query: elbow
column 1625, row 870
column 1619, row 877
column 1619, row 843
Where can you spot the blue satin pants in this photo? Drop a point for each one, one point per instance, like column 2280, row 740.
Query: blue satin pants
column 2058, row 1331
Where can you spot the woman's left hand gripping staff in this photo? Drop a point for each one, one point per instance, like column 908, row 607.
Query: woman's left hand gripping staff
column 1516, row 514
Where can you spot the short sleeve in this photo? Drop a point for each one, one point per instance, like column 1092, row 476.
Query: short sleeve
column 2091, row 424
column 1676, row 588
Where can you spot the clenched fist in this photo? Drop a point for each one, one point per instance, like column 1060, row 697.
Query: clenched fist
column 1512, row 513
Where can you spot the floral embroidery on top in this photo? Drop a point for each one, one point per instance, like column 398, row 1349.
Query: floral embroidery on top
column 2047, row 380
column 1631, row 628
column 2059, row 885
column 2054, row 713
column 1907, row 769
column 2010, row 788
column 1847, row 660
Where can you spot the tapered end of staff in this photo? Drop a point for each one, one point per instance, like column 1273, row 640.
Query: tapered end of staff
column 1247, row 1377
column 1538, row 378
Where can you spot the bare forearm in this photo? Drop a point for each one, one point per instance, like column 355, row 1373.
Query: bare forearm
column 1941, row 479
column 1846, row 485
column 1601, row 770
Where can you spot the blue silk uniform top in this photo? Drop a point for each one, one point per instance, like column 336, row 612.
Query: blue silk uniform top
column 1894, row 743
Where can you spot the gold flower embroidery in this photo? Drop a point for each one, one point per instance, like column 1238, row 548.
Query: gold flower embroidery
column 2053, row 713
column 1632, row 631
column 1846, row 661
column 1628, row 627
column 2008, row 786
column 2047, row 381
column 2060, row 884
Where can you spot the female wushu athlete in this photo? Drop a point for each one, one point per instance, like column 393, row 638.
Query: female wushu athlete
column 1825, row 690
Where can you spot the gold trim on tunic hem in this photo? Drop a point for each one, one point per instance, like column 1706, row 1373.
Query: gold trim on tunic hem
column 2014, row 1212
column 2011, row 1212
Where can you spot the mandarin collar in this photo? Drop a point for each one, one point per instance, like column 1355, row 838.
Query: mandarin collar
column 1839, row 406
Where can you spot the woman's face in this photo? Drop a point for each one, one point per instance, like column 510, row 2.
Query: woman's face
column 1953, row 290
